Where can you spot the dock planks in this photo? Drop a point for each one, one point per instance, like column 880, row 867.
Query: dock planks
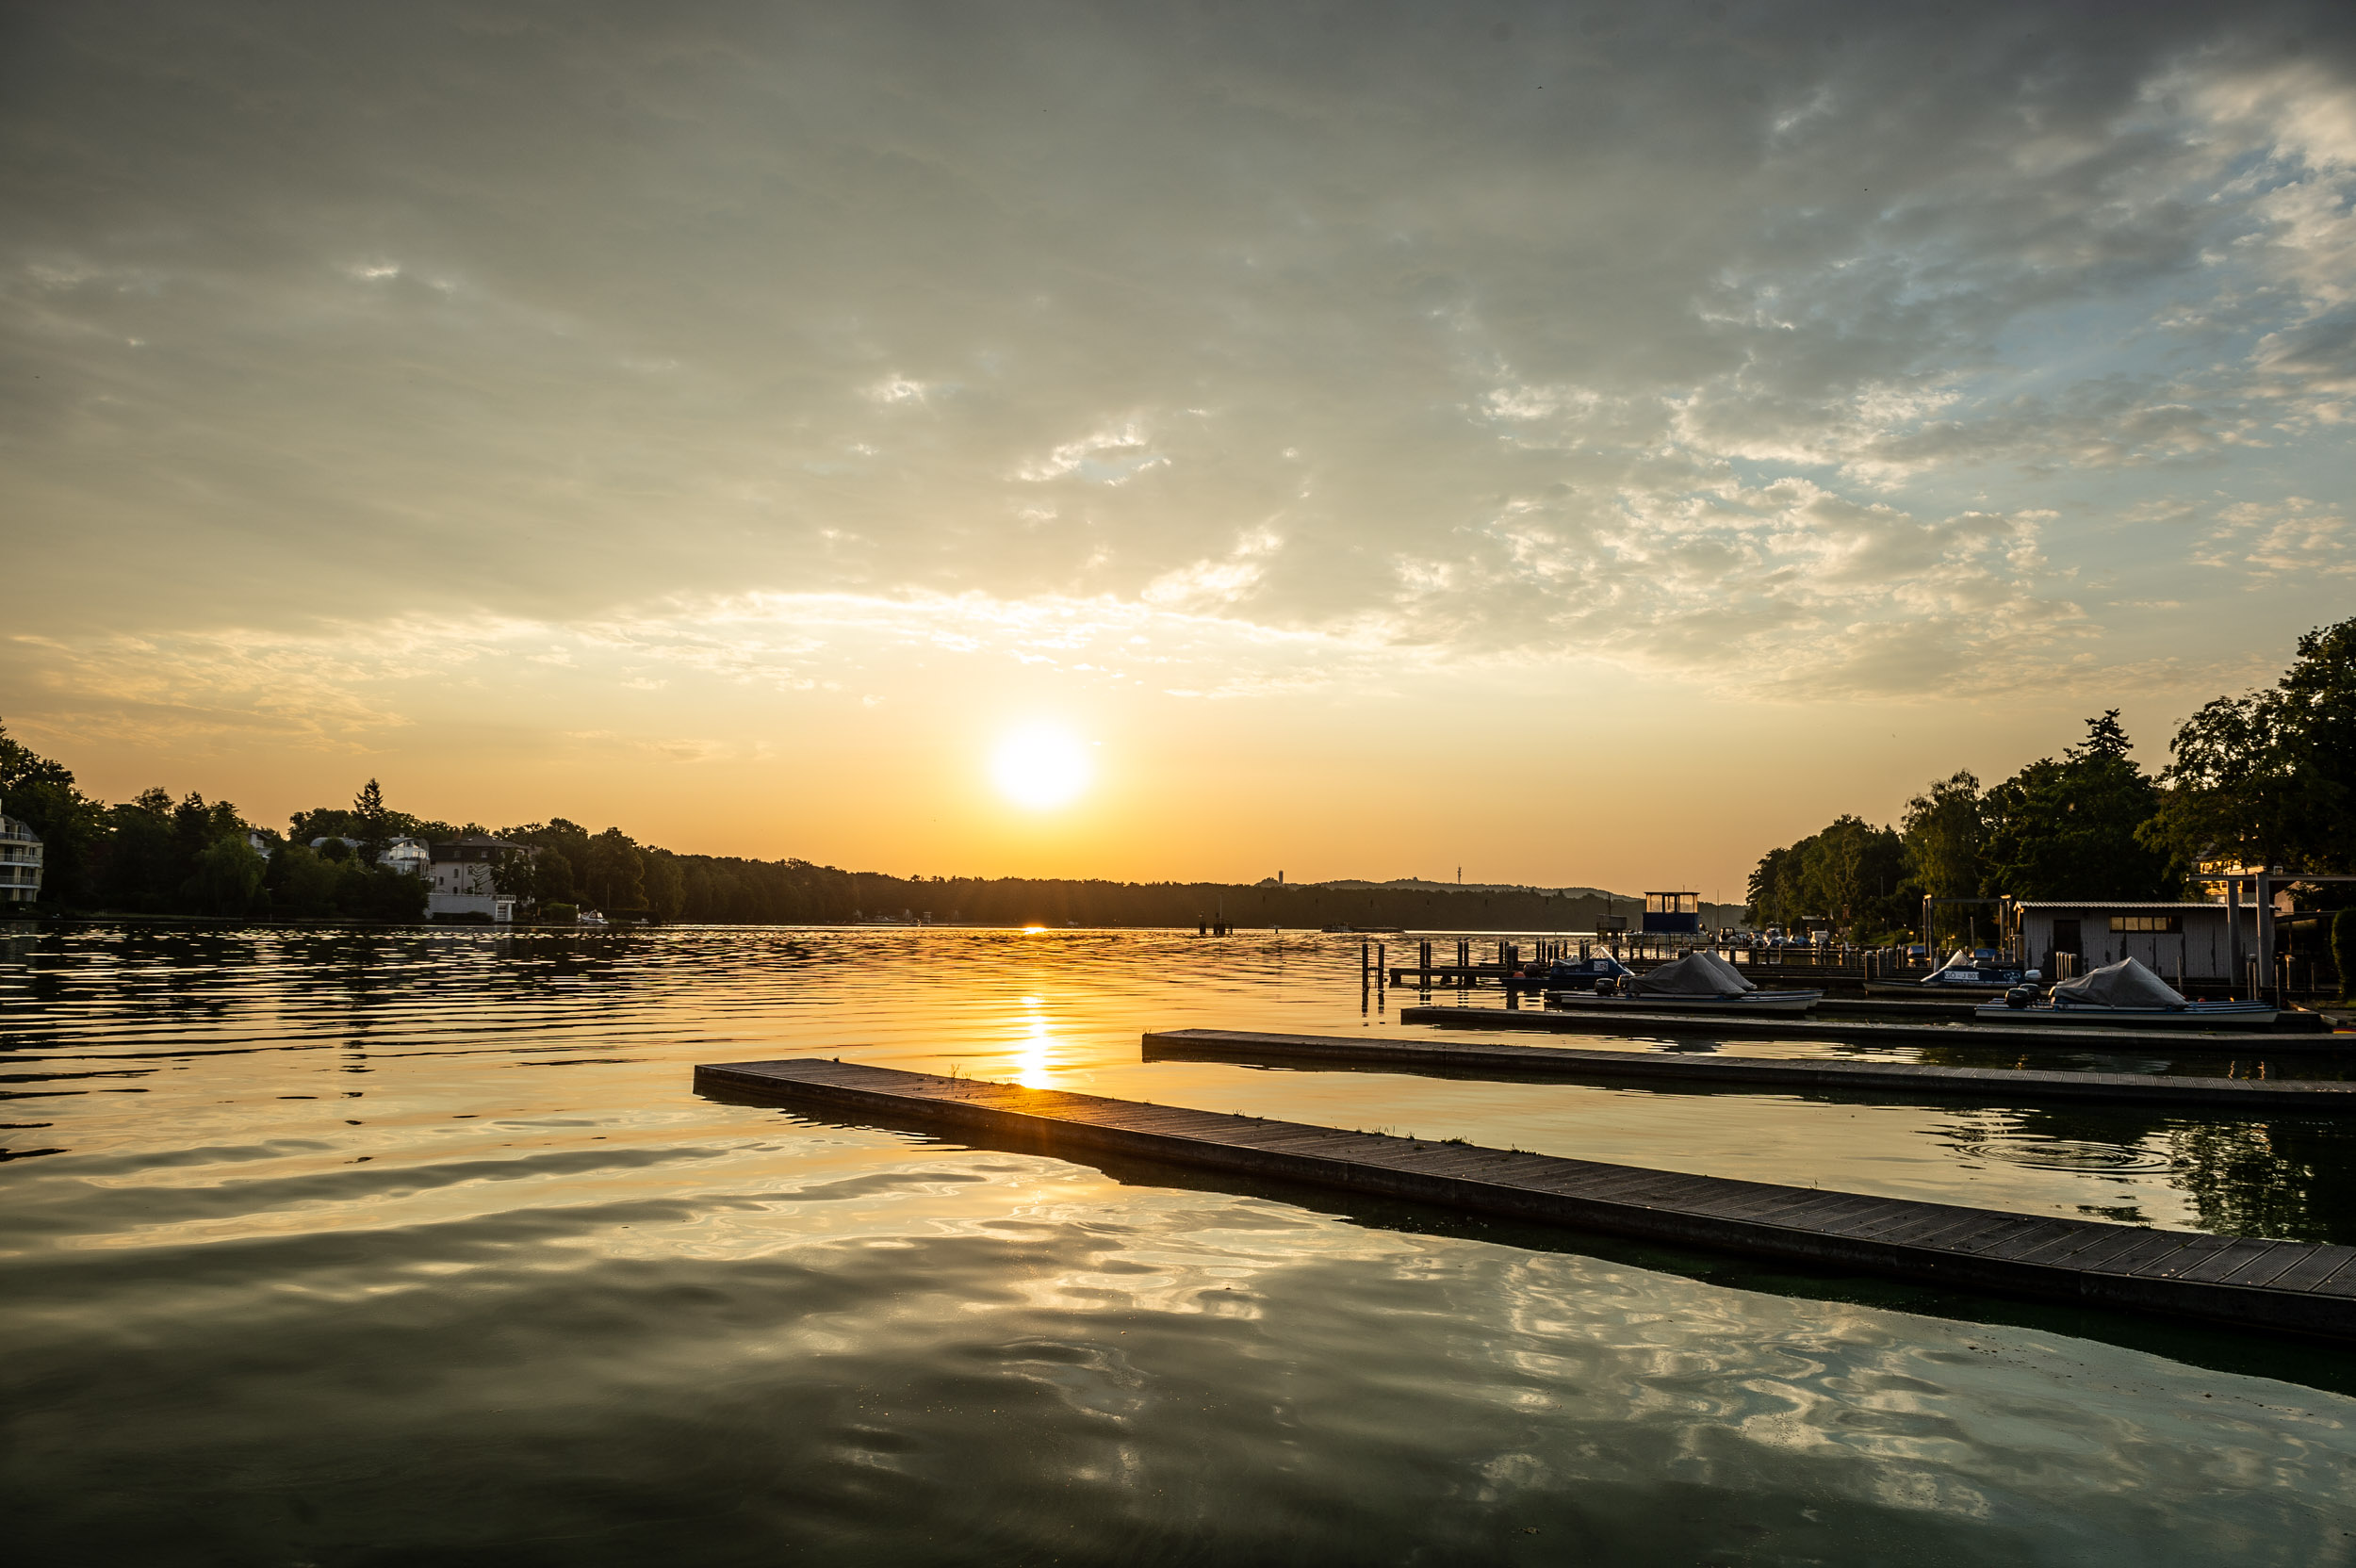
column 1730, row 1026
column 2235, row 1096
column 2174, row 1274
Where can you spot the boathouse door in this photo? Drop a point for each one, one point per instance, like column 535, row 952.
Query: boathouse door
column 2065, row 940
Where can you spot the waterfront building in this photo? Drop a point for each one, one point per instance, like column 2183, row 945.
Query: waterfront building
column 1675, row 914
column 2194, row 941
column 458, row 872
column 412, row 855
column 20, row 861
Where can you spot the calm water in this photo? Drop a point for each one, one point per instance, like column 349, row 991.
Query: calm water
column 329, row 1249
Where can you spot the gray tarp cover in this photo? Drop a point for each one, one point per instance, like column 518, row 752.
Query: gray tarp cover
column 2124, row 984
column 1695, row 974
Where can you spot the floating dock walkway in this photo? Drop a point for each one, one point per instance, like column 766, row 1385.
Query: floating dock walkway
column 2232, row 1096
column 1728, row 1025
column 2291, row 1287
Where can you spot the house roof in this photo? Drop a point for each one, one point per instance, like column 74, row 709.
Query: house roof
column 2113, row 903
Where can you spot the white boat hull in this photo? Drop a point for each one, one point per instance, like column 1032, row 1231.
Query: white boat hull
column 2192, row 1015
column 1747, row 1003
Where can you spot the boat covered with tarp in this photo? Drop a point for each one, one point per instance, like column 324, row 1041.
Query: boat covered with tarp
column 1699, row 981
column 2128, row 993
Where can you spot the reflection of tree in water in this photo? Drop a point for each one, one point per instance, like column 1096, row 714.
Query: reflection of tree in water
column 2292, row 1181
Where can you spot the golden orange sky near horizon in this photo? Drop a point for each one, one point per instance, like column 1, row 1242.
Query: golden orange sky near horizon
column 1620, row 793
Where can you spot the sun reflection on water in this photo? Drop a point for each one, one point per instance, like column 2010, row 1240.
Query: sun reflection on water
column 1036, row 1049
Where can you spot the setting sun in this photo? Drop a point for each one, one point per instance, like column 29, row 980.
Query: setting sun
column 1041, row 767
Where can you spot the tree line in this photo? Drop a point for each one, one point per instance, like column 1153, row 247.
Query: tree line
column 2267, row 779
column 157, row 856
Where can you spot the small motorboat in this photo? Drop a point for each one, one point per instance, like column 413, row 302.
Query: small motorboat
column 1699, row 982
column 2124, row 994
column 1598, row 974
column 1964, row 974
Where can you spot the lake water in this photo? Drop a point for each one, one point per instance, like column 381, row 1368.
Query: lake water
column 323, row 1247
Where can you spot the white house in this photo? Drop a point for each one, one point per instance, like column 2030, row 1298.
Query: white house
column 20, row 862
column 408, row 855
column 458, row 873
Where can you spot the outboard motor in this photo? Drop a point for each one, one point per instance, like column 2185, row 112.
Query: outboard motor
column 2020, row 996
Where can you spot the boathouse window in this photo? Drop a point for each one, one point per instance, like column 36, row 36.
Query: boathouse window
column 1673, row 904
column 2172, row 925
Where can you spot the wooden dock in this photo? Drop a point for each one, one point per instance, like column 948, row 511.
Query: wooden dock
column 2296, row 1287
column 1725, row 1026
column 2231, row 1096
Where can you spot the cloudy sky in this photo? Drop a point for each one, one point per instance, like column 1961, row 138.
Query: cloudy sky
column 1582, row 443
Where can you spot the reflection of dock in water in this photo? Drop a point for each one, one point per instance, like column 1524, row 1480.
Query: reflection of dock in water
column 2297, row 1286
column 2251, row 1096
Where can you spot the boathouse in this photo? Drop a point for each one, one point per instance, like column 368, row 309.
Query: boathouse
column 1678, row 914
column 2193, row 940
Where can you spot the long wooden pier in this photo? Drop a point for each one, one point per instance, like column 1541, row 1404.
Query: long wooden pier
column 1728, row 1025
column 2231, row 1096
column 2299, row 1287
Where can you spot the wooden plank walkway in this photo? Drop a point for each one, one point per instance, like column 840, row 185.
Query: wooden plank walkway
column 2232, row 1096
column 1724, row 1026
column 2289, row 1286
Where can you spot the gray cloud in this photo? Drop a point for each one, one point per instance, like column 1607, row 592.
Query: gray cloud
column 1513, row 330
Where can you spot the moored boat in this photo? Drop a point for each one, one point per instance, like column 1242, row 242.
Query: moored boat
column 1599, row 974
column 2127, row 995
column 1961, row 974
column 1699, row 982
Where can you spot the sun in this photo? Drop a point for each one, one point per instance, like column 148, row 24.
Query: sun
column 1041, row 767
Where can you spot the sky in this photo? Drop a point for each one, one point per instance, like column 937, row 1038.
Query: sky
column 1575, row 443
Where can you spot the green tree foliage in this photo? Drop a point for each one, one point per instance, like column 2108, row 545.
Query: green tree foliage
column 1945, row 835
column 381, row 892
column 20, row 766
column 667, row 884
column 2073, row 828
column 337, row 882
column 72, row 827
column 615, row 877
column 562, row 853
column 2320, row 688
column 140, row 874
column 1851, row 872
column 161, row 858
column 227, row 879
column 2269, row 778
column 303, row 882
